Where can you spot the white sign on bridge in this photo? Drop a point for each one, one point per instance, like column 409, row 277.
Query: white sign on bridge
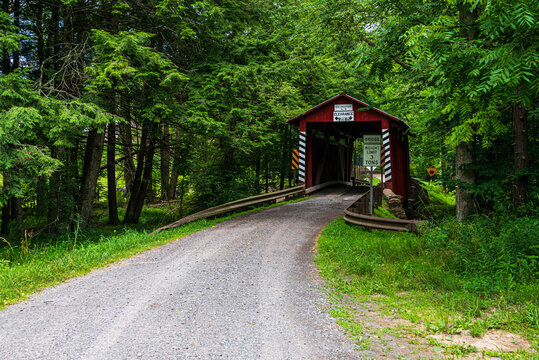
column 371, row 155
column 372, row 139
column 343, row 112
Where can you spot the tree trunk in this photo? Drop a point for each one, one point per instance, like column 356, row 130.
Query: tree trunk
column 55, row 18
column 111, row 175
column 17, row 23
column 290, row 172
column 13, row 205
column 92, row 164
column 520, row 141
column 165, row 163
column 466, row 176
column 130, row 211
column 173, row 180
column 41, row 196
column 182, row 195
column 113, row 105
column 143, row 176
column 266, row 174
column 150, row 194
column 16, row 214
column 6, row 62
column 443, row 169
column 5, row 219
column 177, row 156
column 55, row 184
column 71, row 184
column 257, row 174
column 283, row 161
column 6, row 209
column 146, row 183
column 464, row 156
column 69, row 77
column 39, row 33
column 175, row 172
column 127, row 140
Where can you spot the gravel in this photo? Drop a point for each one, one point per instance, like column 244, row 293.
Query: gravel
column 244, row 289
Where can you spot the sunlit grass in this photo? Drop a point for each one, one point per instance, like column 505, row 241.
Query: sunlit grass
column 395, row 271
column 383, row 211
column 437, row 194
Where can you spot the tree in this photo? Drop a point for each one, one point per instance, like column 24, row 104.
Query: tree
column 124, row 63
column 474, row 61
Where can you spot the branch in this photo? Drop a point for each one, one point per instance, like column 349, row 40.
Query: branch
column 116, row 161
column 398, row 61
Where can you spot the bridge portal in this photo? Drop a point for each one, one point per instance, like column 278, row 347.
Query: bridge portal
column 326, row 137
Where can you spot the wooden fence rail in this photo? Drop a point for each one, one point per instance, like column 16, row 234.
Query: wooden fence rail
column 358, row 212
column 256, row 200
column 361, row 206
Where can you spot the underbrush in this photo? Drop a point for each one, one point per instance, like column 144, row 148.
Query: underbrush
column 440, row 205
column 153, row 215
column 493, row 255
column 451, row 277
column 383, row 211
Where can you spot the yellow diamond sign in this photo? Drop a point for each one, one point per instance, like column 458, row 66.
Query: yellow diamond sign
column 432, row 171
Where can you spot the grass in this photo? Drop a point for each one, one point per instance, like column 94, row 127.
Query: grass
column 383, row 211
column 414, row 277
column 441, row 204
column 47, row 260
column 375, row 180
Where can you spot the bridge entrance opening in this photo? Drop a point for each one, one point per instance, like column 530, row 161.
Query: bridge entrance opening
column 327, row 133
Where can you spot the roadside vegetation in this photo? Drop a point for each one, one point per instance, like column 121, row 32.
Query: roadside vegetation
column 452, row 278
column 49, row 259
column 110, row 108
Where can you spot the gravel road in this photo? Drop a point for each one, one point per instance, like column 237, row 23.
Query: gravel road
column 244, row 289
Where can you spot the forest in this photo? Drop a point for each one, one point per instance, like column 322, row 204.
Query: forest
column 118, row 117
column 123, row 104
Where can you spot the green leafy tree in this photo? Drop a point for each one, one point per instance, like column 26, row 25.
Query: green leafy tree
column 475, row 63
column 124, row 63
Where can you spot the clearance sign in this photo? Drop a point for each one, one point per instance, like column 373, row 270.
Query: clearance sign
column 343, row 112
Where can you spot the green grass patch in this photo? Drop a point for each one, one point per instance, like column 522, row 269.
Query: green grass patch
column 383, row 211
column 438, row 195
column 366, row 177
column 47, row 260
column 447, row 279
column 441, row 203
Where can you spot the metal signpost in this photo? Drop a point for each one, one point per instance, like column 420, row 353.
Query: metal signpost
column 371, row 159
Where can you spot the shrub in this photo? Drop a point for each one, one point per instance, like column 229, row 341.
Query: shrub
column 490, row 254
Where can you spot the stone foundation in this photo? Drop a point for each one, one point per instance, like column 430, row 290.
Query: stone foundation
column 395, row 204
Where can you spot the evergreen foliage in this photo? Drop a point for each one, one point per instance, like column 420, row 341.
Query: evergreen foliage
column 195, row 95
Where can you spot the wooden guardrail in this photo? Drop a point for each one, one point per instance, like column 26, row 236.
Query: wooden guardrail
column 237, row 205
column 357, row 214
column 374, row 222
column 361, row 206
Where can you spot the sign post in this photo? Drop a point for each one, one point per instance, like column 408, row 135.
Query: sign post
column 371, row 159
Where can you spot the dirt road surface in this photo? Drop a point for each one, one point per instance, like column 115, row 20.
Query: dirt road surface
column 244, row 289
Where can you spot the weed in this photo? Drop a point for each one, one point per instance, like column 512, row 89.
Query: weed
column 383, row 211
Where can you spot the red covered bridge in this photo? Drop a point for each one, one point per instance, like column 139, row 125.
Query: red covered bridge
column 326, row 137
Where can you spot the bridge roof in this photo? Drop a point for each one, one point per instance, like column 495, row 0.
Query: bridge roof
column 337, row 100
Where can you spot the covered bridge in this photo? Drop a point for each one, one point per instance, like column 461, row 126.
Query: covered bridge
column 326, row 137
